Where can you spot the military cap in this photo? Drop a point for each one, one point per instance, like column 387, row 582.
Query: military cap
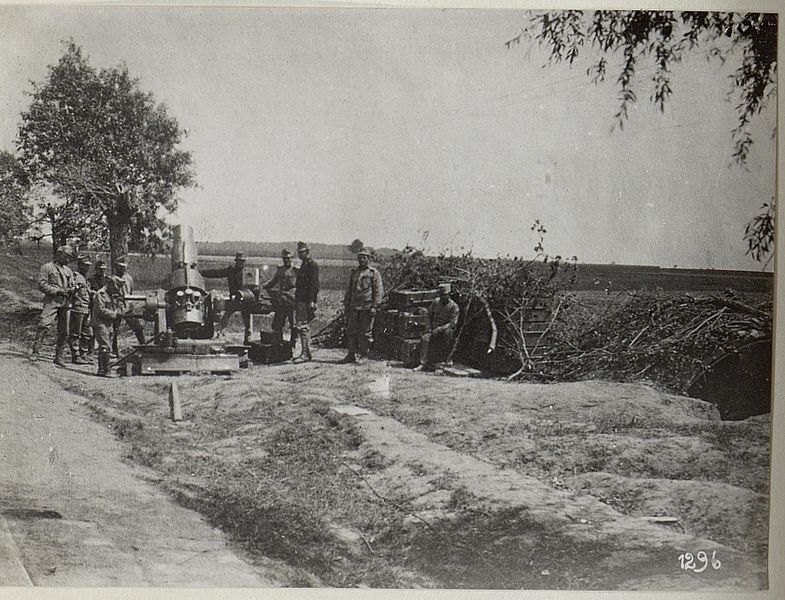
column 100, row 264
column 65, row 249
column 445, row 288
column 285, row 253
column 302, row 246
column 363, row 252
column 239, row 256
column 83, row 259
column 120, row 262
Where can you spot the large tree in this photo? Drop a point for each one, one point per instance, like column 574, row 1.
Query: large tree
column 664, row 38
column 15, row 210
column 108, row 151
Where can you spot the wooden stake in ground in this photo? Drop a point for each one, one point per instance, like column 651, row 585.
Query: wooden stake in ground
column 175, row 411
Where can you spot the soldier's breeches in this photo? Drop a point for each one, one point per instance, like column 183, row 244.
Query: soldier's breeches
column 75, row 327
column 358, row 330
column 302, row 315
column 103, row 336
column 52, row 315
column 282, row 314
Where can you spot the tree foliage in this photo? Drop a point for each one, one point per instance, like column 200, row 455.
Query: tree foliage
column 666, row 37
column 15, row 210
column 107, row 149
column 356, row 246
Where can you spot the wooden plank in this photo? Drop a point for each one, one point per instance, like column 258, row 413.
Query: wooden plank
column 151, row 364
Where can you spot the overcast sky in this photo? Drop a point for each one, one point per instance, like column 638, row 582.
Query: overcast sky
column 327, row 125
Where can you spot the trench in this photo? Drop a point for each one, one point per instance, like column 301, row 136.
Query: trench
column 739, row 383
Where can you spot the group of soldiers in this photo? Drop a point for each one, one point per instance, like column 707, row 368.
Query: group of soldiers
column 362, row 299
column 86, row 309
column 294, row 293
column 89, row 310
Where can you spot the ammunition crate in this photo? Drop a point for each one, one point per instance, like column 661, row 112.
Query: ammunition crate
column 270, row 337
column 412, row 326
column 268, row 354
column 409, row 353
column 406, row 299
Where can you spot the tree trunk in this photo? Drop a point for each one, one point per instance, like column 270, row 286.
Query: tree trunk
column 59, row 234
column 118, row 237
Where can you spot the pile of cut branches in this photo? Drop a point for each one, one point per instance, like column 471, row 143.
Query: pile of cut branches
column 648, row 335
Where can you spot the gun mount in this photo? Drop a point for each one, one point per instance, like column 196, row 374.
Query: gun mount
column 184, row 315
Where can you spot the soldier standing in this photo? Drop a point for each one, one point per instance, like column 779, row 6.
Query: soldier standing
column 436, row 345
column 281, row 288
column 125, row 285
column 96, row 282
column 234, row 279
column 78, row 324
column 56, row 282
column 305, row 296
column 362, row 298
column 106, row 310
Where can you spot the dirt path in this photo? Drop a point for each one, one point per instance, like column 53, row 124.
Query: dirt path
column 74, row 513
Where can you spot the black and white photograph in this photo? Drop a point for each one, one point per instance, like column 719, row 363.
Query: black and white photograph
column 326, row 297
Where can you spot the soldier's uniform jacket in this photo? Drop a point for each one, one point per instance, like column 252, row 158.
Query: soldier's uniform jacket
column 54, row 282
column 283, row 282
column 106, row 308
column 233, row 274
column 80, row 302
column 443, row 316
column 126, row 289
column 365, row 288
column 307, row 281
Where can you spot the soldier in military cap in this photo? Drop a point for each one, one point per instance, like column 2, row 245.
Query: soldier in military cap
column 305, row 295
column 56, row 282
column 79, row 326
column 107, row 309
column 234, row 280
column 125, row 285
column 436, row 345
column 281, row 288
column 363, row 296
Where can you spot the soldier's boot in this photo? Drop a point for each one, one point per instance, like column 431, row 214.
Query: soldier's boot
column 246, row 338
column 307, row 345
column 59, row 348
column 103, row 362
column 305, row 351
column 37, row 341
column 77, row 356
column 293, row 335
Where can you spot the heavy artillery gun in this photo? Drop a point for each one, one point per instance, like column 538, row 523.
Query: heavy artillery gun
column 184, row 317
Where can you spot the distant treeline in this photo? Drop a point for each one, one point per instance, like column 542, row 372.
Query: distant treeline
column 151, row 273
column 338, row 251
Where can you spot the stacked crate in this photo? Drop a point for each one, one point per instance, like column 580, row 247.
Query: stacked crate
column 401, row 323
column 270, row 349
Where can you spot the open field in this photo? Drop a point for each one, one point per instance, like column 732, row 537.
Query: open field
column 378, row 476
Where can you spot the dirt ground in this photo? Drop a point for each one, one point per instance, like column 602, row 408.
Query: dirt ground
column 377, row 476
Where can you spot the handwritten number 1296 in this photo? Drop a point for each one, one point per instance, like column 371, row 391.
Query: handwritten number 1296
column 687, row 561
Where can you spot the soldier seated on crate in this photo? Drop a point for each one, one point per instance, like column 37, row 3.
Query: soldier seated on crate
column 436, row 345
column 362, row 298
